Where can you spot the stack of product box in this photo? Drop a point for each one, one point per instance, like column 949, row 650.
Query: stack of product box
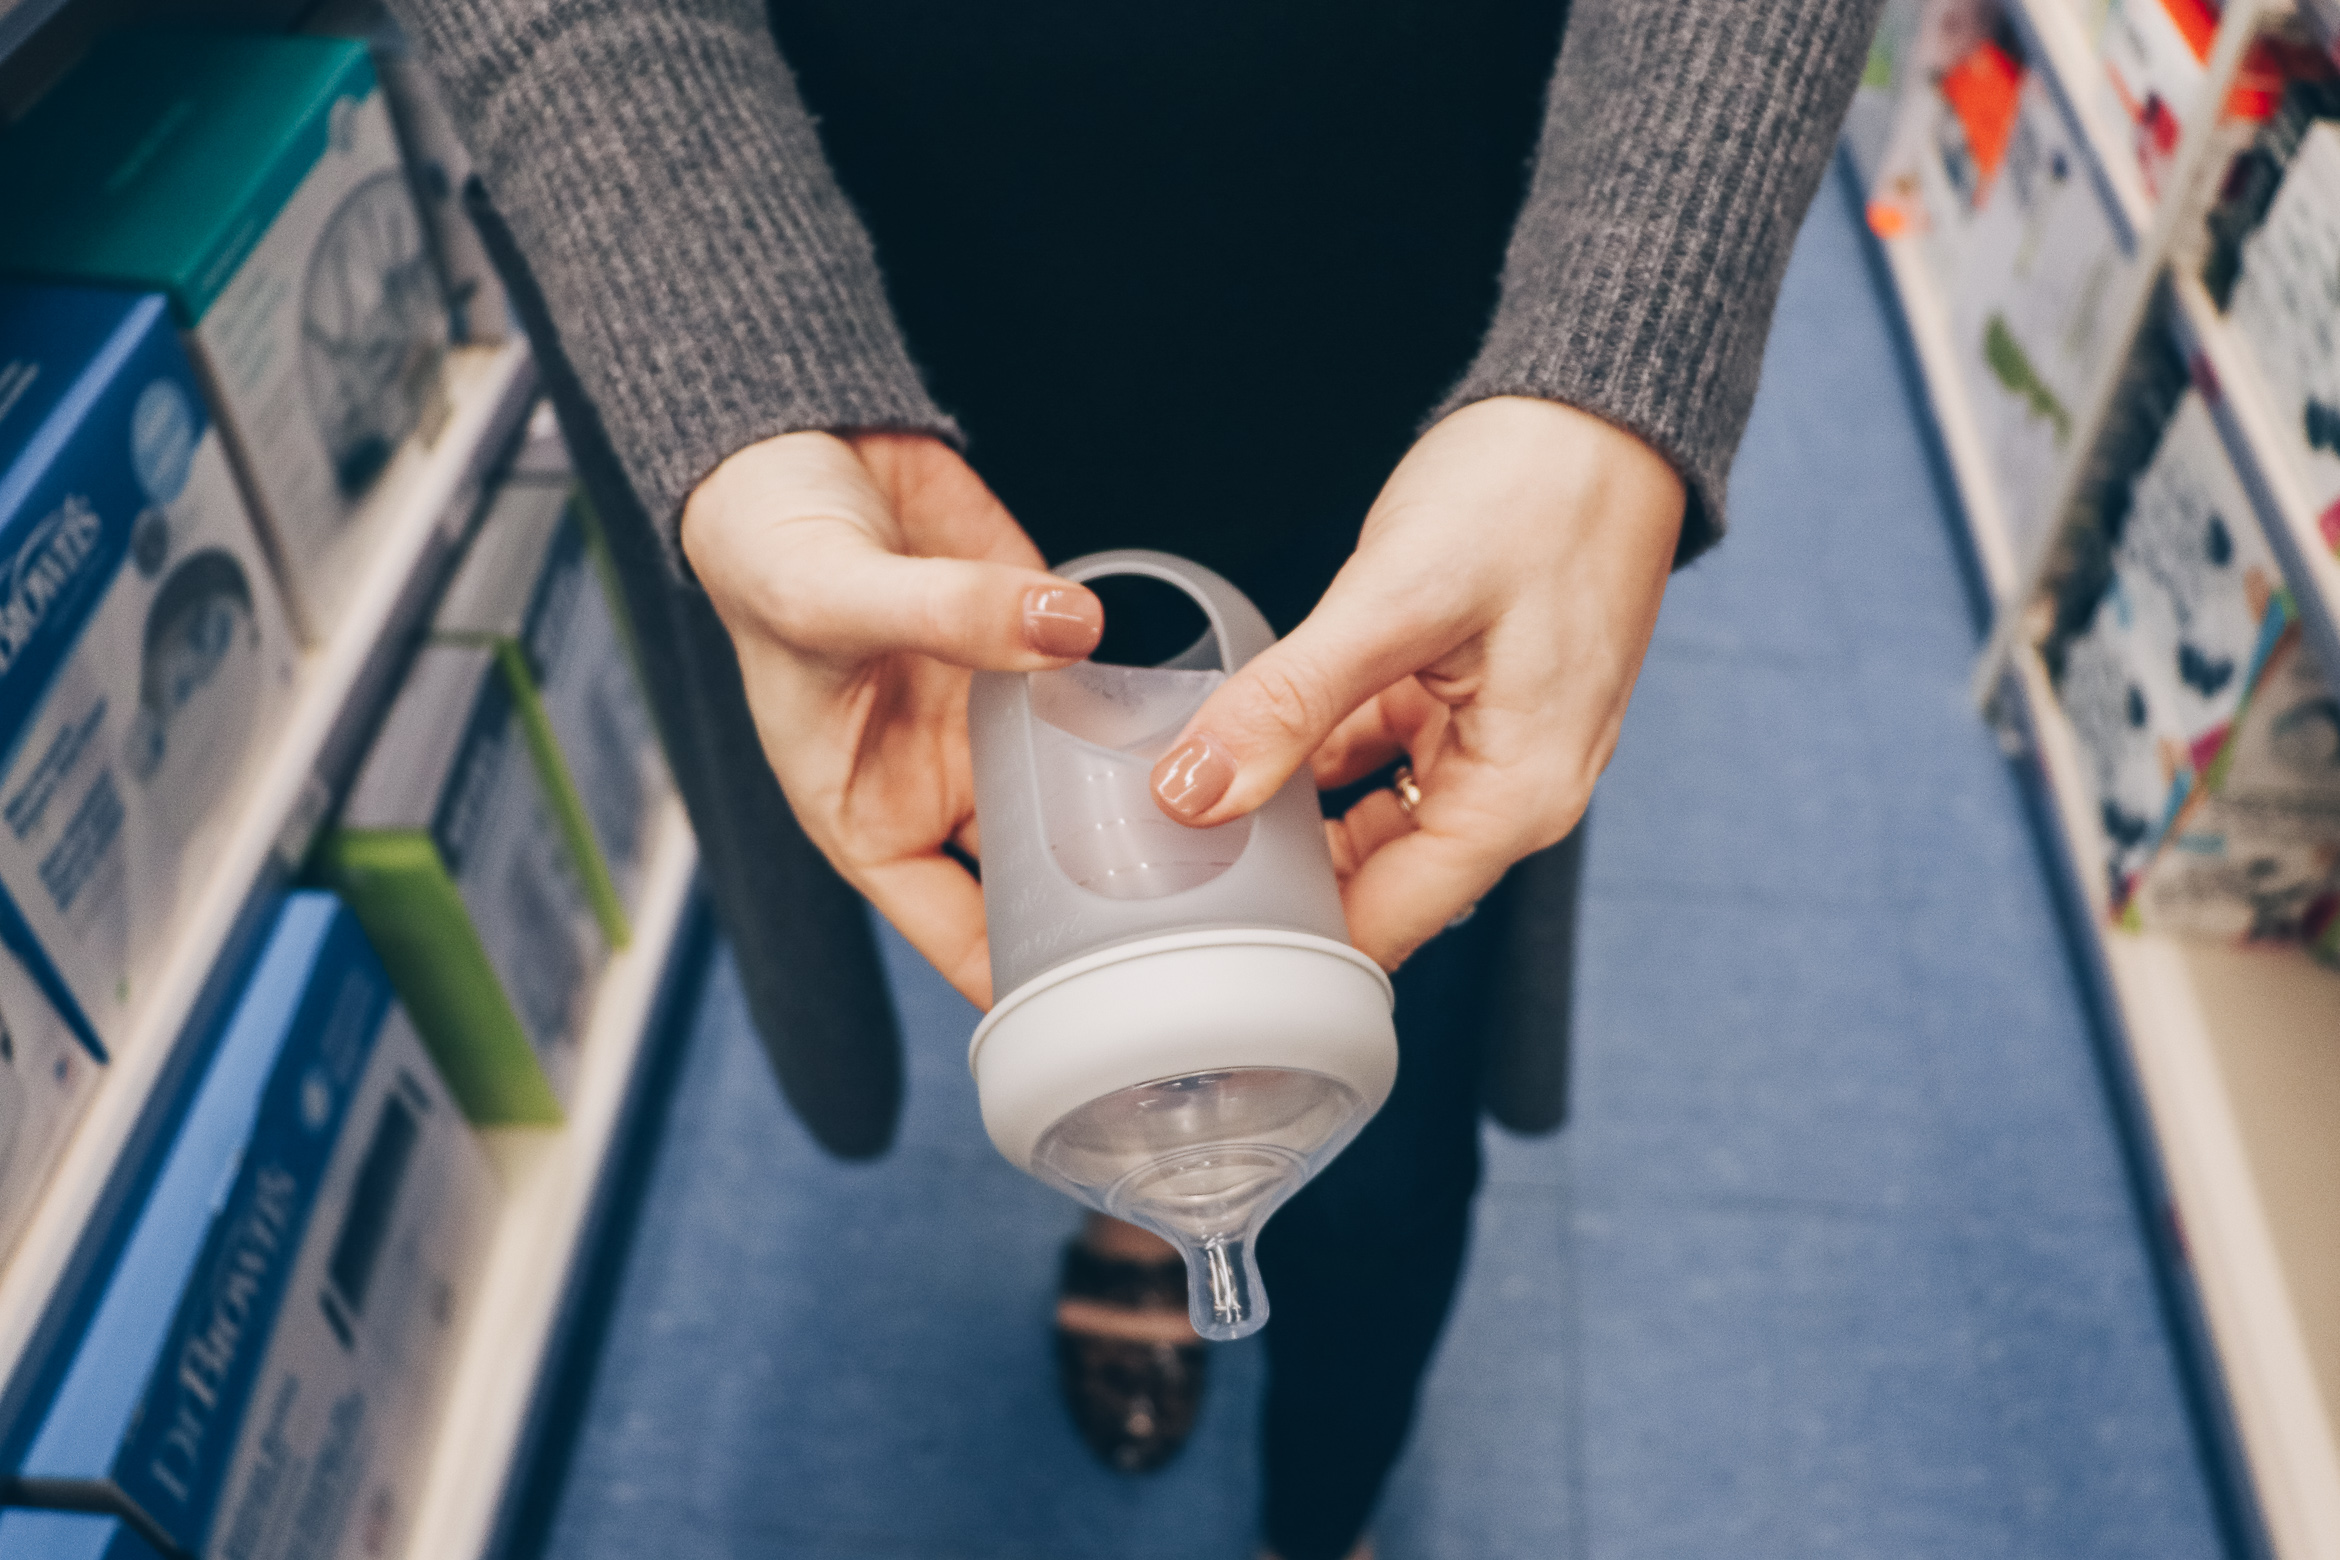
column 263, row 1367
column 2201, row 716
column 494, row 842
column 2033, row 303
column 144, row 660
column 255, row 183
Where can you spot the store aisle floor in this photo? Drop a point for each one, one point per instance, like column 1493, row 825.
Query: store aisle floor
column 1836, row 1259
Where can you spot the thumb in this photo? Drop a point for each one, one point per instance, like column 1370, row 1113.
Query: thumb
column 1265, row 721
column 837, row 592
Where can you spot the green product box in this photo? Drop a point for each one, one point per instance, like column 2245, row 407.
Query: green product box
column 255, row 182
column 529, row 591
column 452, row 852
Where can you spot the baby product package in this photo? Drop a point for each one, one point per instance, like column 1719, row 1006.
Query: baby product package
column 1950, row 132
column 255, row 182
column 530, row 590
column 2156, row 56
column 2031, row 308
column 71, row 1535
column 2287, row 307
column 451, row 850
column 261, row 1375
column 2199, row 565
column 436, row 163
column 2255, row 853
column 144, row 653
column 2113, row 690
column 46, row 1078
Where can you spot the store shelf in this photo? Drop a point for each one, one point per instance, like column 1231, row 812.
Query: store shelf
column 553, row 1180
column 433, row 493
column 1928, row 321
column 2055, row 40
column 2236, row 1053
column 2230, row 381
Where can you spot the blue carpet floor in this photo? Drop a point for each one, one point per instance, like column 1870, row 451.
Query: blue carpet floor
column 1836, row 1259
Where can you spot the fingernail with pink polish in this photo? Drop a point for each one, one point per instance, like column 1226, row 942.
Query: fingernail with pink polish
column 1192, row 779
column 1062, row 620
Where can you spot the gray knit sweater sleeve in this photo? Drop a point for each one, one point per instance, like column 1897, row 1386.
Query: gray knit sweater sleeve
column 710, row 282
column 712, row 285
column 1683, row 141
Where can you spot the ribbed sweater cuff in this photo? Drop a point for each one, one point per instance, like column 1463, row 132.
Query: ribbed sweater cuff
column 1682, row 148
column 710, row 283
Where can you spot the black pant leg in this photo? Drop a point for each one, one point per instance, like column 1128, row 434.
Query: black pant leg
column 1361, row 1266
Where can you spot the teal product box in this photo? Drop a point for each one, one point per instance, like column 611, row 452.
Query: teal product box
column 452, row 853
column 531, row 590
column 255, row 182
column 144, row 654
column 262, row 1372
column 46, row 1080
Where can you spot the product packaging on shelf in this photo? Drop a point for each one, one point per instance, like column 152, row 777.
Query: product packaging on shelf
column 254, row 181
column 1896, row 58
column 2249, row 185
column 1964, row 74
column 46, row 1078
column 2156, row 56
column 2112, row 691
column 2254, row 854
column 2211, row 593
column 543, row 455
column 451, row 851
column 70, row 1535
column 531, row 591
column 2032, row 306
column 436, row 163
column 144, row 653
column 2287, row 309
column 262, row 1370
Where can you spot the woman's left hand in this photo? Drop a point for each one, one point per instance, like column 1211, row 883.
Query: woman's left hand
column 1489, row 627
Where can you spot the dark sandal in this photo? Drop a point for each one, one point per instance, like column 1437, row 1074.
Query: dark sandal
column 1133, row 1402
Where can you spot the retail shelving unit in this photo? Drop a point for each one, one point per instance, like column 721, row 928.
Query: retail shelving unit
column 557, row 1182
column 2232, row 1055
column 434, row 493
column 553, row 1183
column 1928, row 319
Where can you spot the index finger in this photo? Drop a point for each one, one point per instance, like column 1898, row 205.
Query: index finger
column 938, row 908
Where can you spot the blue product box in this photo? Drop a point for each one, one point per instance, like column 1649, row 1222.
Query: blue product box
column 144, row 651
column 261, row 1375
column 70, row 1535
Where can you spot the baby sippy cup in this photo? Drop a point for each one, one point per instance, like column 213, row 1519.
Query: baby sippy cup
column 1183, row 1035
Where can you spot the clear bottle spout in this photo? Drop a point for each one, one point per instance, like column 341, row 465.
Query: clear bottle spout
column 1224, row 1297
column 1202, row 1161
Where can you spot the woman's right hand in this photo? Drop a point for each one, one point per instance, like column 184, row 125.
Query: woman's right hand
column 861, row 578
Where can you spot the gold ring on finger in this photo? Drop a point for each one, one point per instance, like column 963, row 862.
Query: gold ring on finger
column 1407, row 790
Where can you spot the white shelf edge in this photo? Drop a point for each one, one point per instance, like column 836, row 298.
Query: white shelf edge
column 2184, row 1042
column 1970, row 465
column 2240, row 408
column 552, row 1179
column 490, row 387
column 2074, row 73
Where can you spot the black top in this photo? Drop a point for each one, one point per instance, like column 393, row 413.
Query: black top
column 1188, row 277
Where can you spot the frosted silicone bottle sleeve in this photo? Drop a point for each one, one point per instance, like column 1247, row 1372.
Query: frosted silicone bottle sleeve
column 1184, row 1035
